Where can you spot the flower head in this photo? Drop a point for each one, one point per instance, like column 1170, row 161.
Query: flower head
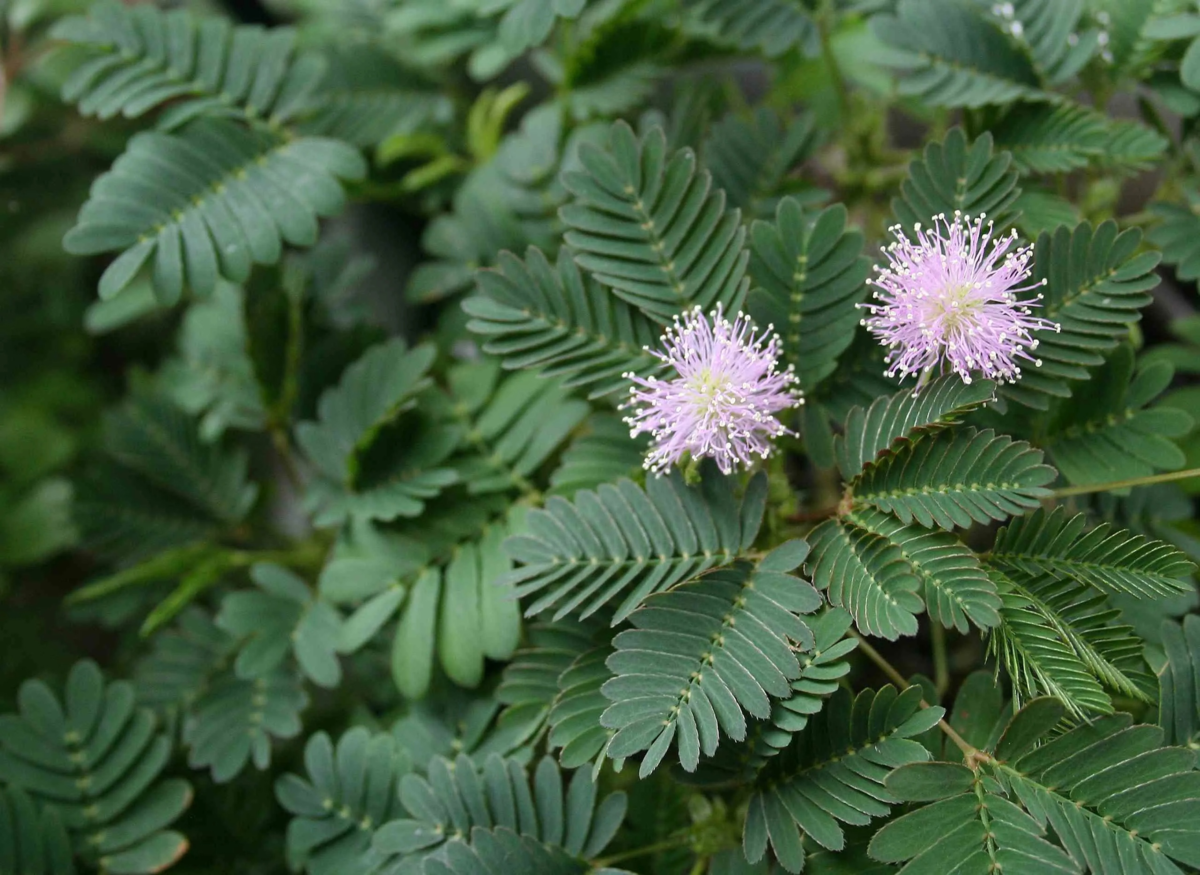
column 950, row 298
column 723, row 398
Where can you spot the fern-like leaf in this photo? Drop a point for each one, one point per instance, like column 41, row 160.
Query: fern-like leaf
column 954, row 56
column 1044, row 138
column 649, row 226
column 349, row 792
column 1110, row 432
column 535, row 315
column 957, row 176
column 955, row 478
column 956, row 589
column 1179, row 682
column 603, row 454
column 734, row 152
column 1088, row 801
column 701, row 654
column 32, row 838
column 1176, row 235
column 208, row 202
column 811, row 276
column 869, row 431
column 1096, row 282
column 511, row 427
column 139, row 58
column 833, row 773
column 773, row 27
column 496, row 795
column 96, row 762
column 622, row 542
column 372, row 393
column 868, row 576
column 1113, row 561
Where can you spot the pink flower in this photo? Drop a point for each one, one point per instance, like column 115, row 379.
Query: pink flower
column 724, row 397
column 950, row 298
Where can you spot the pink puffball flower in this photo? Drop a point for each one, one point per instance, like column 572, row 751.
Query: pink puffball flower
column 722, row 401
column 949, row 298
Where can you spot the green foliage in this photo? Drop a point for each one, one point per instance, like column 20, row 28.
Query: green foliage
column 954, row 176
column 137, row 59
column 1176, row 234
column 536, row 315
column 733, row 153
column 496, row 802
column 1179, row 694
column 928, row 481
column 1000, row 808
column 349, row 792
column 701, row 653
column 1062, row 546
column 833, row 773
column 621, row 541
column 647, row 225
column 810, row 277
column 771, row 26
column 1096, row 282
column 94, row 759
column 1109, row 434
column 955, row 56
column 364, row 524
column 209, row 202
column 373, row 393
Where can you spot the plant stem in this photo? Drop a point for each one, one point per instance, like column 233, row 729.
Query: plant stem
column 1169, row 477
column 941, row 666
column 824, row 21
column 664, row 845
column 894, row 675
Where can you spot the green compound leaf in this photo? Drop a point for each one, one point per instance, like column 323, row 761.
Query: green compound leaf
column 977, row 828
column 1179, row 682
column 282, row 616
column 550, row 317
column 870, row 431
column 750, row 159
column 139, row 58
column 955, row 56
column 1096, row 284
column 833, row 773
column 32, row 838
column 1109, row 432
column 1063, row 546
column 954, row 176
column 373, row 393
column 1178, row 232
column 1088, row 802
column 867, row 575
column 96, row 760
column 649, row 226
column 349, row 792
column 956, row 590
column 701, row 654
column 208, row 203
column 811, row 276
column 772, row 27
column 458, row 799
column 604, row 453
column 955, row 478
column 510, row 427
column 620, row 541
column 234, row 721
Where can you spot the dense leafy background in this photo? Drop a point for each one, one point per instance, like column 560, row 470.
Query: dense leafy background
column 323, row 548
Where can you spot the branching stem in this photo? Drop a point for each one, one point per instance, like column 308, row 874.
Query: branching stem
column 969, row 751
column 1169, row 477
